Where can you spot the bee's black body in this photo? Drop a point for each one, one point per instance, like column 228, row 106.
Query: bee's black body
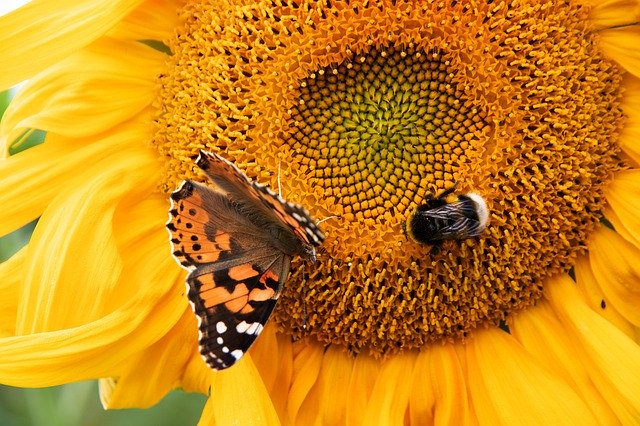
column 437, row 220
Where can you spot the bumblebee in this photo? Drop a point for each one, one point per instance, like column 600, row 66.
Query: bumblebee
column 437, row 220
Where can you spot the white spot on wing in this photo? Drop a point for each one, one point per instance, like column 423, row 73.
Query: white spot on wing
column 255, row 328
column 242, row 327
column 246, row 328
column 221, row 327
column 237, row 354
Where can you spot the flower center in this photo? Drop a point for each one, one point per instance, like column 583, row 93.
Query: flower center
column 370, row 107
column 374, row 126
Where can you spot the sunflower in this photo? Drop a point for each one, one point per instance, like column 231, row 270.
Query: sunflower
column 359, row 109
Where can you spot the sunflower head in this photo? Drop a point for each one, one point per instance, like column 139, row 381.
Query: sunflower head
column 360, row 110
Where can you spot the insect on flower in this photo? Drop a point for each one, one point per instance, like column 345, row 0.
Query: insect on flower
column 438, row 220
column 236, row 240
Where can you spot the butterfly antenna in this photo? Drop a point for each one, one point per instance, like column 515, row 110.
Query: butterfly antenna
column 279, row 168
column 326, row 218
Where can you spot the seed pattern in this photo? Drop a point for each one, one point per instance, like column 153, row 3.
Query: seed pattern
column 370, row 105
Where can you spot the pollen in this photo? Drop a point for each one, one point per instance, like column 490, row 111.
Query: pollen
column 359, row 109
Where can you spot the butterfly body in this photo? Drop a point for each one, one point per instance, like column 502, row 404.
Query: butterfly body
column 236, row 240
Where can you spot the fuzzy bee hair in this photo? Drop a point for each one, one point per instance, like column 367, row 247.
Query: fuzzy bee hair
column 437, row 220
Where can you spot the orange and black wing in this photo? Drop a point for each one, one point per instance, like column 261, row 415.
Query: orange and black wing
column 236, row 275
column 233, row 301
column 229, row 178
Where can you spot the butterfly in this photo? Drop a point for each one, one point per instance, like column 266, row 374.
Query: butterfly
column 236, row 240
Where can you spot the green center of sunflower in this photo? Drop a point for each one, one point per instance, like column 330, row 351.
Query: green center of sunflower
column 371, row 107
column 376, row 124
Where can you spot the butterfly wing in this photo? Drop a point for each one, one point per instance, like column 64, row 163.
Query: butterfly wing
column 229, row 178
column 233, row 303
column 236, row 275
column 237, row 242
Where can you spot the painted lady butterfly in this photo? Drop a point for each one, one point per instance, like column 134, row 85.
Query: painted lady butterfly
column 237, row 241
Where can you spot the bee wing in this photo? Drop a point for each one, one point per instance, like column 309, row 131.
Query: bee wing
column 457, row 220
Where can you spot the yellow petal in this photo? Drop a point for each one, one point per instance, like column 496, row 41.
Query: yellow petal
column 623, row 195
column 389, row 400
column 363, row 378
column 610, row 357
column 285, row 375
column 73, row 257
column 105, row 389
column 161, row 364
column 97, row 349
column 508, row 386
column 265, row 355
column 197, row 375
column 32, row 178
column 10, row 288
column 101, row 348
column 630, row 135
column 152, row 20
column 620, row 44
column 422, row 400
column 306, row 368
column 597, row 300
column 439, row 378
column 42, row 33
column 615, row 264
column 613, row 13
column 272, row 355
column 335, row 374
column 208, row 417
column 240, row 396
column 543, row 336
column 87, row 93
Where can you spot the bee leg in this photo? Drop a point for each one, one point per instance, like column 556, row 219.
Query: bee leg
column 449, row 190
column 432, row 201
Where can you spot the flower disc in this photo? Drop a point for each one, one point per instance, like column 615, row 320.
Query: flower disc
column 367, row 107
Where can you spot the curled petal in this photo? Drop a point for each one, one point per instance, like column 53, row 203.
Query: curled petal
column 38, row 35
column 162, row 364
column 610, row 357
column 81, row 95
